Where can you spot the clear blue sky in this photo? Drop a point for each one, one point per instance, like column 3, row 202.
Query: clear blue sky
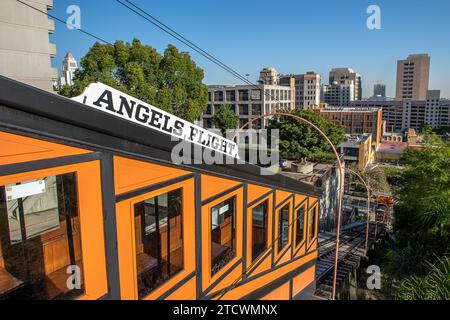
column 294, row 36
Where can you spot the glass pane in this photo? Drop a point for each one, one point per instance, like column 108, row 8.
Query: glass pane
column 283, row 227
column 312, row 224
column 159, row 240
column 222, row 234
column 40, row 244
column 259, row 229
column 300, row 222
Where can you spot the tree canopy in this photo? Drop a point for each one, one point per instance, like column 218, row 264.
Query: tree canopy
column 171, row 81
column 421, row 219
column 298, row 140
column 225, row 118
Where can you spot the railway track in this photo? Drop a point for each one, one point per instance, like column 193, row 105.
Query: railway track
column 351, row 251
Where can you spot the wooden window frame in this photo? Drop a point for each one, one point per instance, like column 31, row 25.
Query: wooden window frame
column 315, row 208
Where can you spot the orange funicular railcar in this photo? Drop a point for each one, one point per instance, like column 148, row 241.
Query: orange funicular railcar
column 92, row 207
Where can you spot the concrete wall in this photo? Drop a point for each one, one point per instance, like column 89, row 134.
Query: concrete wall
column 25, row 50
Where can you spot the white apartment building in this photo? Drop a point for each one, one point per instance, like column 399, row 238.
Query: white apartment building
column 339, row 94
column 247, row 101
column 307, row 89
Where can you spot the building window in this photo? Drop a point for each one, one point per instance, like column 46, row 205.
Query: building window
column 312, row 224
column 299, row 220
column 231, row 95
column 223, row 236
column 259, row 229
column 243, row 109
column 40, row 239
column 218, row 96
column 256, row 95
column 159, row 240
column 243, row 95
column 283, row 227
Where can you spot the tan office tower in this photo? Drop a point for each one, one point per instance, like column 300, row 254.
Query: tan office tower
column 25, row 50
column 412, row 77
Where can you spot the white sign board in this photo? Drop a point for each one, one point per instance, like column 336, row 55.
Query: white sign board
column 114, row 102
column 14, row 192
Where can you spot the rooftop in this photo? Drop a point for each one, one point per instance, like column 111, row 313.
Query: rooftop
column 392, row 147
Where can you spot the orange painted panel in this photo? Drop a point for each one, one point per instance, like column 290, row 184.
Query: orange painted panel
column 254, row 192
column 186, row 292
column 301, row 281
column 16, row 148
column 250, row 286
column 132, row 174
column 281, row 293
column 265, row 265
column 285, row 257
column 299, row 198
column 213, row 185
column 281, row 195
column 233, row 276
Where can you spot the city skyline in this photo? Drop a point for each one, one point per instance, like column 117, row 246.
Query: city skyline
column 237, row 40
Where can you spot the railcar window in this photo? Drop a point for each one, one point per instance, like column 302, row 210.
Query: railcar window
column 312, row 224
column 300, row 218
column 159, row 240
column 40, row 245
column 223, row 236
column 259, row 229
column 283, row 227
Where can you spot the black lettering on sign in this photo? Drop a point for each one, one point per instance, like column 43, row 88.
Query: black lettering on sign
column 106, row 98
column 178, row 128
column 124, row 104
column 166, row 127
column 154, row 121
column 142, row 113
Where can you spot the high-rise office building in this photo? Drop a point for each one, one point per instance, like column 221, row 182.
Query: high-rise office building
column 25, row 50
column 343, row 76
column 379, row 90
column 412, row 77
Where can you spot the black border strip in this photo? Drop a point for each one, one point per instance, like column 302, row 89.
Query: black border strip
column 266, row 195
column 221, row 194
column 176, row 286
column 153, row 187
column 198, row 234
column 20, row 167
column 244, row 233
column 110, row 226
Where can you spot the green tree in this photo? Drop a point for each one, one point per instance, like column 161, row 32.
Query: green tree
column 171, row 81
column 421, row 219
column 298, row 140
column 225, row 118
